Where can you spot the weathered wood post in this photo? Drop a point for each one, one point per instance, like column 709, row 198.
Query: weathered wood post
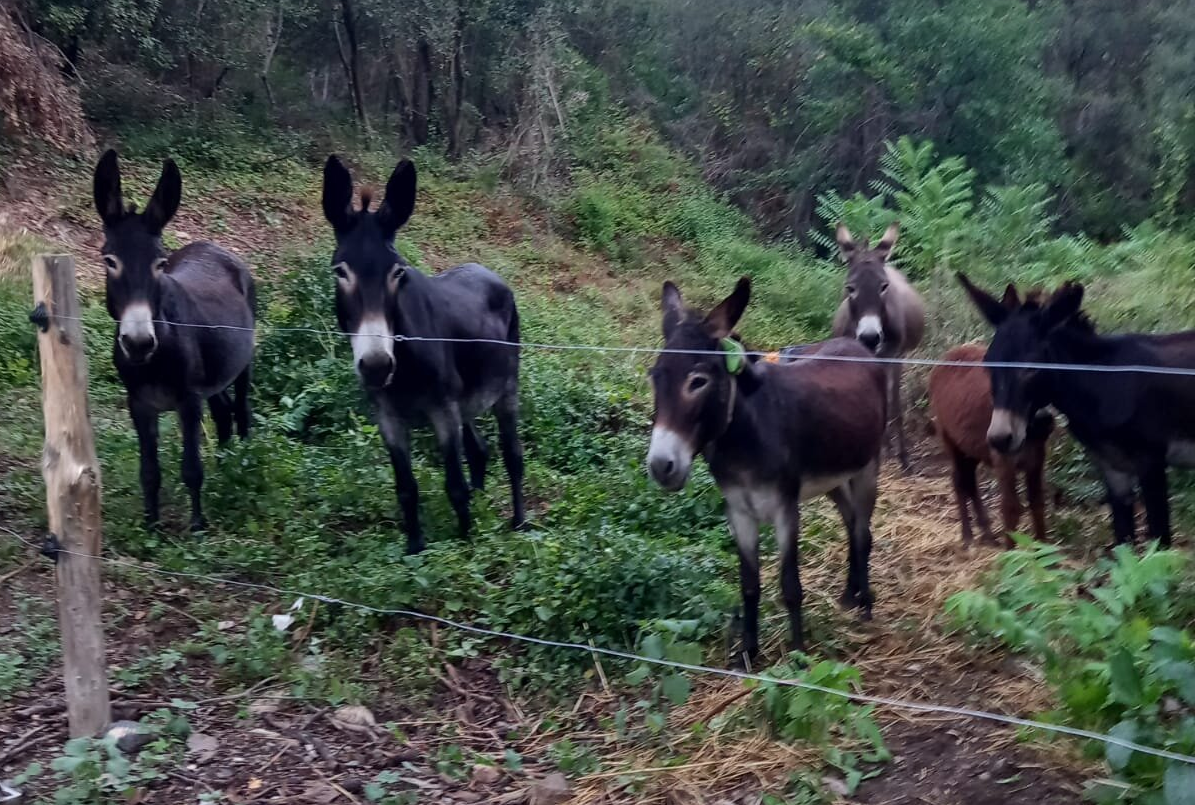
column 72, row 475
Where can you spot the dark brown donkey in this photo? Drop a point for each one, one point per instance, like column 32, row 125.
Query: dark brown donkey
column 1132, row 424
column 881, row 310
column 960, row 400
column 774, row 434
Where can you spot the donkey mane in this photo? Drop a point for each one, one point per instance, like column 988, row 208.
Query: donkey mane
column 366, row 198
column 1038, row 299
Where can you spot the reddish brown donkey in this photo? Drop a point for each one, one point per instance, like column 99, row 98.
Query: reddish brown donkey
column 960, row 400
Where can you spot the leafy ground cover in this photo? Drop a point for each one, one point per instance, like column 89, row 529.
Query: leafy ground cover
column 306, row 504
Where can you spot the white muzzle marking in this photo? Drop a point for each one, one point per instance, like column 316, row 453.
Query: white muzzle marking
column 373, row 341
column 137, row 325
column 1006, row 431
column 669, row 458
column 870, row 325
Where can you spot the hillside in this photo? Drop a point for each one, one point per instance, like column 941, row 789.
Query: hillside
column 290, row 512
column 587, row 151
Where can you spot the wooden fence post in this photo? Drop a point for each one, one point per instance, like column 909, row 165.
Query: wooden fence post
column 72, row 475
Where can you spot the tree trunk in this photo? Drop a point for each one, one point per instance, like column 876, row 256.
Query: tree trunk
column 352, row 62
column 423, row 94
column 454, row 101
column 273, row 37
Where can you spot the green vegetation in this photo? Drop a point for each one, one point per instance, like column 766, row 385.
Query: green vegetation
column 1114, row 639
column 587, row 150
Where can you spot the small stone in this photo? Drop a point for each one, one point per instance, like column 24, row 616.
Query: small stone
column 836, row 786
column 356, row 715
column 485, row 775
column 130, row 736
column 204, row 747
column 551, row 790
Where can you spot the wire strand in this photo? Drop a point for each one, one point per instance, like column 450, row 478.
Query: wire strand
column 904, row 361
column 923, row 707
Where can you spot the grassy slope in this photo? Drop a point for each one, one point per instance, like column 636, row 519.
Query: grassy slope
column 308, row 503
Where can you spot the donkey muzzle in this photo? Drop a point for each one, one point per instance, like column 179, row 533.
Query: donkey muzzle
column 1006, row 432
column 376, row 369
column 136, row 335
column 669, row 459
column 870, row 332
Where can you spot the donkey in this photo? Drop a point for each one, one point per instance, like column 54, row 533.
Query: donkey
column 773, row 434
column 960, row 400
column 186, row 328
column 1132, row 425
column 444, row 348
column 880, row 309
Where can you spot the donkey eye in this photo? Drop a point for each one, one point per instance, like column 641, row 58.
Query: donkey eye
column 850, row 289
column 112, row 263
column 883, row 287
column 342, row 271
column 159, row 265
column 697, row 383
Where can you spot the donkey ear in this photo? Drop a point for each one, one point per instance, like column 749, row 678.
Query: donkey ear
column 1063, row 305
column 989, row 306
column 846, row 241
column 672, row 306
column 164, row 203
column 338, row 194
column 109, row 202
column 1012, row 299
column 400, row 198
column 722, row 319
column 888, row 242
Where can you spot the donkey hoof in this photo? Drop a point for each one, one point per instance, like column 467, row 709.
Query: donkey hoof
column 746, row 660
column 415, row 546
column 198, row 525
column 848, row 600
column 519, row 524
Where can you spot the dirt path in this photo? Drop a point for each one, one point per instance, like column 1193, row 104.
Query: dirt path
column 270, row 747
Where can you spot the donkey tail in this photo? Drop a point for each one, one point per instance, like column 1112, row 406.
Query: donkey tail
column 512, row 329
column 251, row 295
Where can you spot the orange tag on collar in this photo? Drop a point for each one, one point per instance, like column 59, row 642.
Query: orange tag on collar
column 772, row 357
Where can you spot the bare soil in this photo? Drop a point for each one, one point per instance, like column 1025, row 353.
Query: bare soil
column 272, row 747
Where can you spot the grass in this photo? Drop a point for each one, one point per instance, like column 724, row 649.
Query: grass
column 307, row 503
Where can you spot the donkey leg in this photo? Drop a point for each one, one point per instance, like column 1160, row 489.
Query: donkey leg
column 477, row 454
column 1010, row 499
column 447, row 425
column 1034, row 490
column 1120, row 501
column 1155, row 494
column 898, row 411
column 507, row 412
column 844, row 503
column 788, row 535
column 864, row 488
column 190, row 416
column 220, row 405
column 406, row 488
column 746, row 535
column 962, row 476
column 145, row 420
column 240, row 408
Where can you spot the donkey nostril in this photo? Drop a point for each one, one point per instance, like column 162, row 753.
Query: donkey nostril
column 375, row 370
column 663, row 467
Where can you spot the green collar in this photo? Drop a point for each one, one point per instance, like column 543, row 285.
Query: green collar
column 736, row 356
